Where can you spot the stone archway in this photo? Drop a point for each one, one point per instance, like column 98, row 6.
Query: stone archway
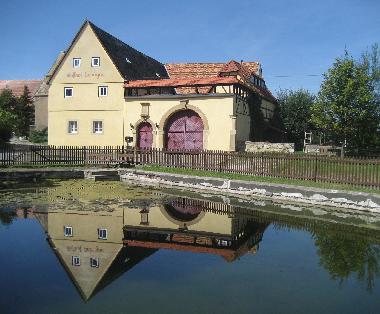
column 184, row 131
column 166, row 116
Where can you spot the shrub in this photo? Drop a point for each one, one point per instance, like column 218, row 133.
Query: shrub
column 39, row 136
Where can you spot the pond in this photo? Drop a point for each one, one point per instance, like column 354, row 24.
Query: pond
column 81, row 247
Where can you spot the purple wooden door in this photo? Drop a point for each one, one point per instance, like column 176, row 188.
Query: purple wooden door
column 144, row 135
column 184, row 130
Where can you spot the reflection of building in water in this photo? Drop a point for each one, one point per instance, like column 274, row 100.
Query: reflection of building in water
column 195, row 226
column 96, row 247
column 89, row 246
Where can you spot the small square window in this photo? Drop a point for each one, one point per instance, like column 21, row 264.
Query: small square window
column 102, row 91
column 75, row 260
column 68, row 92
column 76, row 62
column 95, row 61
column 73, row 127
column 97, row 127
column 94, row 262
column 102, row 234
column 68, row 231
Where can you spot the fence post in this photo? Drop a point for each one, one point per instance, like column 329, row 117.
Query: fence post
column 315, row 167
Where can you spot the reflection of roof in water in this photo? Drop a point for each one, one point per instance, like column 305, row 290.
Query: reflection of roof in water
column 230, row 247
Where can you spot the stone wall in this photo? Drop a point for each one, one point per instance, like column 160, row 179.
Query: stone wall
column 259, row 147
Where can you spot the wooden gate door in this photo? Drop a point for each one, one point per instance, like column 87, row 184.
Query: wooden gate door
column 184, row 130
column 144, row 135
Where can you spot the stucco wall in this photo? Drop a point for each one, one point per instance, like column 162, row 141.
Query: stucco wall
column 85, row 105
column 243, row 122
column 41, row 112
column 216, row 110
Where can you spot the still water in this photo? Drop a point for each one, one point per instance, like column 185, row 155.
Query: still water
column 76, row 247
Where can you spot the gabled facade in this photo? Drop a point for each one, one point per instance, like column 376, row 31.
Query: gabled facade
column 104, row 91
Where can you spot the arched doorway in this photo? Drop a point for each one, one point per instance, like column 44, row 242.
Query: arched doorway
column 184, row 130
column 144, row 135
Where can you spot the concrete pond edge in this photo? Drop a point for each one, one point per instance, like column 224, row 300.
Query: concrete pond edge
column 361, row 201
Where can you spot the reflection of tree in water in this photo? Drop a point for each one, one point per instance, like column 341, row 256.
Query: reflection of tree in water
column 342, row 256
column 6, row 217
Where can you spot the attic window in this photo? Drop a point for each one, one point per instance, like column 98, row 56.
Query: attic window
column 76, row 62
column 95, row 61
column 129, row 61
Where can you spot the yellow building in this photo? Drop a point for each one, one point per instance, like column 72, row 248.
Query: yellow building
column 104, row 91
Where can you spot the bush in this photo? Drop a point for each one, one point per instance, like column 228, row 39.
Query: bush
column 39, row 136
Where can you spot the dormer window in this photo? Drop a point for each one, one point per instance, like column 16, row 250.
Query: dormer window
column 76, row 62
column 95, row 61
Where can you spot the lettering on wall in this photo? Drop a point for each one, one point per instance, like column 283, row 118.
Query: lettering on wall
column 81, row 249
column 75, row 74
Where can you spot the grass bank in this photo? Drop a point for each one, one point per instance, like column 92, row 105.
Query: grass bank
column 232, row 176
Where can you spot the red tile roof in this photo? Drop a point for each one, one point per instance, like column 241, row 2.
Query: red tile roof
column 191, row 78
column 183, row 82
column 17, row 86
column 228, row 254
column 196, row 70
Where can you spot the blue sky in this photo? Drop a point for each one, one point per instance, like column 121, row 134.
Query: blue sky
column 293, row 38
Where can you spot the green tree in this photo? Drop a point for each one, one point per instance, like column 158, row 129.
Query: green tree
column 8, row 101
column 346, row 110
column 371, row 62
column 7, row 125
column 295, row 111
column 24, row 111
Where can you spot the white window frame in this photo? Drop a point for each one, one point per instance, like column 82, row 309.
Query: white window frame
column 75, row 260
column 93, row 63
column 101, row 236
column 68, row 231
column 79, row 62
column 65, row 89
column 97, row 129
column 94, row 262
column 71, row 130
column 102, row 91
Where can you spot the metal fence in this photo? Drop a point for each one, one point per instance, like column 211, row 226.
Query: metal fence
column 352, row 171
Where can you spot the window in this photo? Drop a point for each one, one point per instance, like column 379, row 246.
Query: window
column 95, row 61
column 94, row 262
column 68, row 231
column 73, row 127
column 97, row 127
column 76, row 62
column 102, row 91
column 102, row 234
column 75, row 260
column 144, row 217
column 68, row 92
